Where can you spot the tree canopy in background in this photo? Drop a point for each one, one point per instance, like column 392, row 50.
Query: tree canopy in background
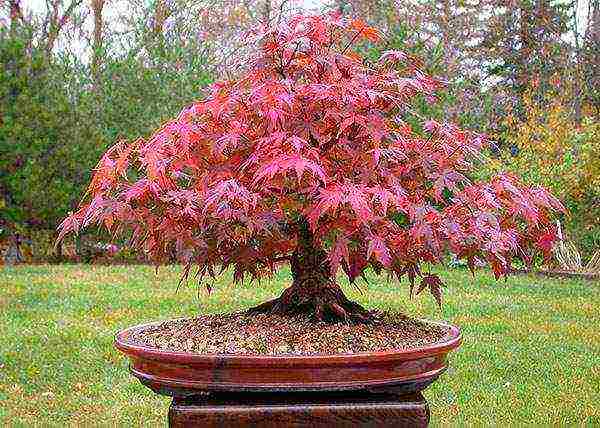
column 78, row 76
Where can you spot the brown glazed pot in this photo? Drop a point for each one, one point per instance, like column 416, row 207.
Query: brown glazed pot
column 181, row 374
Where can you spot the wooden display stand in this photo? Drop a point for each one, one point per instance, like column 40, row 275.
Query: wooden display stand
column 315, row 410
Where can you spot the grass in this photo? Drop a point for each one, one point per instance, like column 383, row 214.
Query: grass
column 531, row 351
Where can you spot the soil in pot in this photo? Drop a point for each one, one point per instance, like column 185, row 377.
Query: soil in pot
column 271, row 334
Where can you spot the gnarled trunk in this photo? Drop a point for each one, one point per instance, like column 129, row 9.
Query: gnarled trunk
column 313, row 288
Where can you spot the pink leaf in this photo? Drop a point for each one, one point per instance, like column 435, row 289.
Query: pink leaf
column 379, row 249
column 339, row 252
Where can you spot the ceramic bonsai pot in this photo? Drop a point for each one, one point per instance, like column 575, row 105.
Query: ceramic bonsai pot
column 181, row 374
column 254, row 384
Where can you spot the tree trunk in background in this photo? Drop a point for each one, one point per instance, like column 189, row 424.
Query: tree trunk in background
column 266, row 12
column 13, row 254
column 591, row 47
column 97, row 45
column 525, row 17
column 55, row 22
column 161, row 13
column 16, row 15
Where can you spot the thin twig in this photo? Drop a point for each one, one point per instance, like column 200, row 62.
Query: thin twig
column 351, row 42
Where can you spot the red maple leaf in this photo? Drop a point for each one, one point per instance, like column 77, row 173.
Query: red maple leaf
column 434, row 284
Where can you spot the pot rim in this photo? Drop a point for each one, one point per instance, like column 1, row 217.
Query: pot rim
column 450, row 341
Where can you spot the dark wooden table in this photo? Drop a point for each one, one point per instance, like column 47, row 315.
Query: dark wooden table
column 266, row 410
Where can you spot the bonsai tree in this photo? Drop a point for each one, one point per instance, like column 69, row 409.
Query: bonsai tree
column 314, row 157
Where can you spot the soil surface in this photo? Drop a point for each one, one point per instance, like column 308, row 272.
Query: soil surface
column 265, row 334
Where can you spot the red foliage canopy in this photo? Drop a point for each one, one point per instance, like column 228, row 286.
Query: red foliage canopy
column 311, row 130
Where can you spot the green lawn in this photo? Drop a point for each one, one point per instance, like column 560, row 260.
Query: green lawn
column 531, row 351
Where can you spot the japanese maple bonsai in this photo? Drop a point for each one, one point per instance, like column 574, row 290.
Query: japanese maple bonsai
column 315, row 157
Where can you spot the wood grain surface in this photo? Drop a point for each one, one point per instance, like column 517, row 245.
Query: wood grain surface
column 299, row 410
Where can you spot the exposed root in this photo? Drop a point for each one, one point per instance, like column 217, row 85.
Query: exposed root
column 328, row 304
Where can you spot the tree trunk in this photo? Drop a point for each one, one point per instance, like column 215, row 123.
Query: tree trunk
column 266, row 13
column 13, row 254
column 591, row 64
column 313, row 290
column 55, row 22
column 161, row 13
column 97, row 47
column 523, row 73
column 16, row 15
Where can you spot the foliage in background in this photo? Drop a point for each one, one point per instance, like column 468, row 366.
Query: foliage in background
column 42, row 141
column 491, row 52
column 106, row 71
column 547, row 146
column 57, row 118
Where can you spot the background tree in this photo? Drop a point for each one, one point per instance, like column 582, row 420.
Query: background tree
column 59, row 113
column 97, row 45
column 587, row 56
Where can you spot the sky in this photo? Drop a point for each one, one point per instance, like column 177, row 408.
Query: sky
column 116, row 7
column 112, row 10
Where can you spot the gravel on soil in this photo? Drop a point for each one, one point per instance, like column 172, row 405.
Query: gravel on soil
column 264, row 334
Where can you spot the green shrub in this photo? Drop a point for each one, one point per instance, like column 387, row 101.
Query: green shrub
column 55, row 123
